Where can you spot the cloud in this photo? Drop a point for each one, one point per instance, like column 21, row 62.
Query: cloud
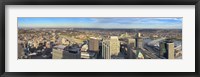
column 137, row 20
column 113, row 20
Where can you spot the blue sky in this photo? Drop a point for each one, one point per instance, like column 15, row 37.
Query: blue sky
column 101, row 22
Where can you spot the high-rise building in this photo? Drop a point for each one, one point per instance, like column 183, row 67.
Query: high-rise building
column 162, row 49
column 20, row 51
column 93, row 44
column 57, row 52
column 139, row 41
column 170, row 49
column 114, row 45
column 110, row 47
column 131, row 48
column 167, row 49
column 106, row 49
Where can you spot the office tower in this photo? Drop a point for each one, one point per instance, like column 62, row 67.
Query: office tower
column 20, row 51
column 93, row 44
column 106, row 49
column 99, row 55
column 162, row 49
column 110, row 47
column 131, row 48
column 170, row 49
column 167, row 49
column 57, row 52
column 114, row 45
column 139, row 41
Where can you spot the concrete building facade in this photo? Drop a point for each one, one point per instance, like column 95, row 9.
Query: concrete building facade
column 114, row 45
column 93, row 44
column 106, row 49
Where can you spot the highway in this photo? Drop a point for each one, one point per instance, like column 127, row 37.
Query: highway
column 155, row 52
column 152, row 50
column 146, row 50
column 149, row 54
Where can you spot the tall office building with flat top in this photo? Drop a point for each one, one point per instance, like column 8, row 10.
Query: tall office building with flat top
column 167, row 49
column 110, row 47
column 114, row 45
column 162, row 49
column 139, row 41
column 106, row 49
column 57, row 52
column 93, row 44
column 170, row 49
column 131, row 48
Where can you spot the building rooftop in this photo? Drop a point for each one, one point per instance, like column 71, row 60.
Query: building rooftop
column 59, row 47
column 113, row 37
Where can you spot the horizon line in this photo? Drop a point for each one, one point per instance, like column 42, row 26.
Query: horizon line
column 89, row 28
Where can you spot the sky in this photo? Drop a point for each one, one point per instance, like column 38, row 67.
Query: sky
column 100, row 22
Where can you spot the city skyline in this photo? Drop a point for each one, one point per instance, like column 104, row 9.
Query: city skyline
column 99, row 44
column 101, row 22
column 99, row 38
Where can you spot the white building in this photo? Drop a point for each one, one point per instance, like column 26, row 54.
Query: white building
column 93, row 44
column 110, row 47
column 114, row 45
column 106, row 49
column 170, row 48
